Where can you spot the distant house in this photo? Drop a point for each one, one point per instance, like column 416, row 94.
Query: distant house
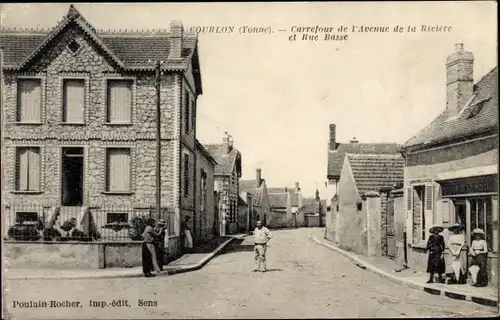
column 337, row 152
column 227, row 176
column 258, row 190
column 285, row 203
column 245, row 211
column 312, row 212
column 451, row 173
column 362, row 210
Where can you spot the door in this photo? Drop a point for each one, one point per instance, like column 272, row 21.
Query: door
column 72, row 176
column 390, row 235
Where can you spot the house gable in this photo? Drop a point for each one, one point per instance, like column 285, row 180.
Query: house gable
column 348, row 192
column 72, row 29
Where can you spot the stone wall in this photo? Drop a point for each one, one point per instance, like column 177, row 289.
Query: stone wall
column 205, row 218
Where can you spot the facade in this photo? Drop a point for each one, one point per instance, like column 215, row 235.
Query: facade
column 260, row 198
column 245, row 211
column 227, row 176
column 451, row 170
column 312, row 212
column 360, row 222
column 205, row 220
column 285, row 203
column 79, row 119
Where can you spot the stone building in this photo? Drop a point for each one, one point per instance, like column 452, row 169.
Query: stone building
column 260, row 198
column 227, row 176
column 451, row 170
column 206, row 219
column 79, row 118
column 360, row 225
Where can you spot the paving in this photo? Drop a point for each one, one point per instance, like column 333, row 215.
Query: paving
column 305, row 280
column 416, row 278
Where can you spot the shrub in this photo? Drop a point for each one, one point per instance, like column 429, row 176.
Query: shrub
column 24, row 232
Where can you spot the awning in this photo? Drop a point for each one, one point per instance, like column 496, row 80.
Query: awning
column 466, row 173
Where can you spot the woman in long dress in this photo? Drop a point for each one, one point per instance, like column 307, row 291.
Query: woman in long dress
column 435, row 247
column 187, row 234
column 458, row 252
column 479, row 252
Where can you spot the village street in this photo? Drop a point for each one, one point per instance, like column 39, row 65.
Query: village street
column 305, row 280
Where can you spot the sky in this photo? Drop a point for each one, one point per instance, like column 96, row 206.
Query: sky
column 277, row 97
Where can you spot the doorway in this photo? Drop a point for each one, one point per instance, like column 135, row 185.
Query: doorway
column 72, row 176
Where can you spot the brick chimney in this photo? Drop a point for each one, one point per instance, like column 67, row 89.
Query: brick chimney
column 225, row 143
column 230, row 143
column 354, row 140
column 459, row 79
column 297, row 185
column 332, row 143
column 177, row 31
column 259, row 177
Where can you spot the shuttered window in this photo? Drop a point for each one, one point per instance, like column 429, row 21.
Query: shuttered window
column 187, row 116
column 29, row 100
column 409, row 192
column 193, row 114
column 118, row 170
column 73, row 100
column 429, row 199
column 28, row 169
column 119, row 104
column 186, row 175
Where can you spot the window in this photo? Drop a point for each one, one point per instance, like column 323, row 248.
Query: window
column 73, row 100
column 119, row 102
column 73, row 46
column 203, row 182
column 113, row 217
column 28, row 169
column 481, row 215
column 193, row 114
column 26, row 217
column 118, row 170
column 186, row 175
column 186, row 112
column 29, row 98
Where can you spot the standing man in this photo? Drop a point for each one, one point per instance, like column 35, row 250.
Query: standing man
column 261, row 236
column 161, row 243
column 149, row 259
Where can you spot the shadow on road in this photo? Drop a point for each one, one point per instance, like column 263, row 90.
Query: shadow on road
column 209, row 246
column 237, row 246
column 272, row 270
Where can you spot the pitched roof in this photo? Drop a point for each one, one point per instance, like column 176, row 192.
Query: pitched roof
column 129, row 50
column 479, row 116
column 337, row 156
column 277, row 190
column 374, row 171
column 225, row 161
column 205, row 153
column 248, row 186
column 278, row 200
column 309, row 205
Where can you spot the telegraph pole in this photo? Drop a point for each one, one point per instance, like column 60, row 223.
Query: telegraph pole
column 158, row 140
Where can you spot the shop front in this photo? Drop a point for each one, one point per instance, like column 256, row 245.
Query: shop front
column 473, row 202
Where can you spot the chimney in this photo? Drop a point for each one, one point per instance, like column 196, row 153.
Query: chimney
column 177, row 31
column 354, row 140
column 332, row 143
column 225, row 143
column 230, row 143
column 259, row 177
column 297, row 186
column 317, row 195
column 459, row 79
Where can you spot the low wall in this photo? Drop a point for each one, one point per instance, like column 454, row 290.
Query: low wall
column 77, row 255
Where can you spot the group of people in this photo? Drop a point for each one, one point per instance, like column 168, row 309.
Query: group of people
column 458, row 249
column 155, row 245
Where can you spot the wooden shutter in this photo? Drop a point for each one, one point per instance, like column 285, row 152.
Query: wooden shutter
column 429, row 210
column 186, row 112
column 119, row 101
column 193, row 114
column 118, row 169
column 186, row 175
column 22, row 169
column 29, row 100
column 409, row 214
column 446, row 210
column 73, row 100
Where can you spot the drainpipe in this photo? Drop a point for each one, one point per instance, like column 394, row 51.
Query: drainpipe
column 405, row 247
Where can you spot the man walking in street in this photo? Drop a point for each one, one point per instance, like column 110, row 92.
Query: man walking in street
column 261, row 236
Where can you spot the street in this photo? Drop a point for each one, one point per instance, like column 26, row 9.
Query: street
column 305, row 280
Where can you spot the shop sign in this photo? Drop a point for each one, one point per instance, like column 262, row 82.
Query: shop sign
column 483, row 184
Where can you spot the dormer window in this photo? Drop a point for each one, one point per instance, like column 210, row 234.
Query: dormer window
column 73, row 46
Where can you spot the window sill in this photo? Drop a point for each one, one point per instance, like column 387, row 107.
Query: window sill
column 118, row 123
column 72, row 123
column 27, row 191
column 118, row 193
column 28, row 123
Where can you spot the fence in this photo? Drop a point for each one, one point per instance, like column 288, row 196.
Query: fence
column 117, row 223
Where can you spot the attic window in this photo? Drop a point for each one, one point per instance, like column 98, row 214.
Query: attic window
column 476, row 108
column 73, row 46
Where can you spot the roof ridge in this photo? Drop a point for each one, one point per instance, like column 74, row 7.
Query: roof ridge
column 27, row 31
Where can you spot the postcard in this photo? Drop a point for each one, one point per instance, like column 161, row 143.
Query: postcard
column 249, row 160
